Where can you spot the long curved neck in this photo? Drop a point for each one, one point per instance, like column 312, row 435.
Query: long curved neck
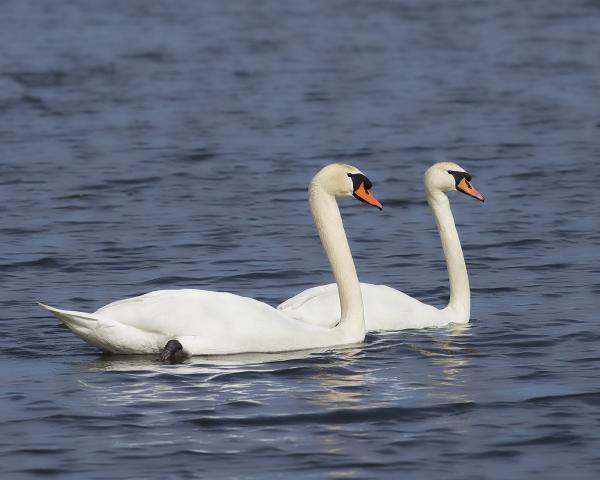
column 327, row 218
column 460, row 294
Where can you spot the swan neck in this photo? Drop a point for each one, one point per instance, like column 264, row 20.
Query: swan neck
column 327, row 218
column 460, row 294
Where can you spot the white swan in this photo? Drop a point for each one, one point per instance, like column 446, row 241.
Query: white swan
column 390, row 309
column 200, row 322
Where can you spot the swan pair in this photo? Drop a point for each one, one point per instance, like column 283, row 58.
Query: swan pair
column 199, row 322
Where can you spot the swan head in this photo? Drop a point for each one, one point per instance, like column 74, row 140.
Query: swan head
column 447, row 177
column 341, row 180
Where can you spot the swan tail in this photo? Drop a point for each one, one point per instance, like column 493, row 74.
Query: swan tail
column 105, row 334
column 81, row 323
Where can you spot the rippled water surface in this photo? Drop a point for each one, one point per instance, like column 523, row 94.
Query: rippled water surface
column 148, row 145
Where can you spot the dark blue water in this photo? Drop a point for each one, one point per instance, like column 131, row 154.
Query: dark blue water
column 148, row 145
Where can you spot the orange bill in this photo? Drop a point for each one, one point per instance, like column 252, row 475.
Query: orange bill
column 465, row 186
column 365, row 196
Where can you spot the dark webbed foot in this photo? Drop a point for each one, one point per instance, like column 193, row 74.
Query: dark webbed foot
column 172, row 352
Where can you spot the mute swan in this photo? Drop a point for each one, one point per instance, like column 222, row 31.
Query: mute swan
column 200, row 322
column 390, row 309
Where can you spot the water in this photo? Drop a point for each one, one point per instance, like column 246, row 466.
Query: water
column 149, row 145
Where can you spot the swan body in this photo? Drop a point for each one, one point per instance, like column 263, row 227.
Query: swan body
column 205, row 322
column 385, row 308
column 389, row 309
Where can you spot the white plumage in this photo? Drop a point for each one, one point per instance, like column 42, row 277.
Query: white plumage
column 206, row 322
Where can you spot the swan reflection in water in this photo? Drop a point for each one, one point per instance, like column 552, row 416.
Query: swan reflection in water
column 311, row 398
column 338, row 378
column 324, row 374
column 446, row 350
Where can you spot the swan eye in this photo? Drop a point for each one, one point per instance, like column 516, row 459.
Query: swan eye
column 358, row 178
column 458, row 176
